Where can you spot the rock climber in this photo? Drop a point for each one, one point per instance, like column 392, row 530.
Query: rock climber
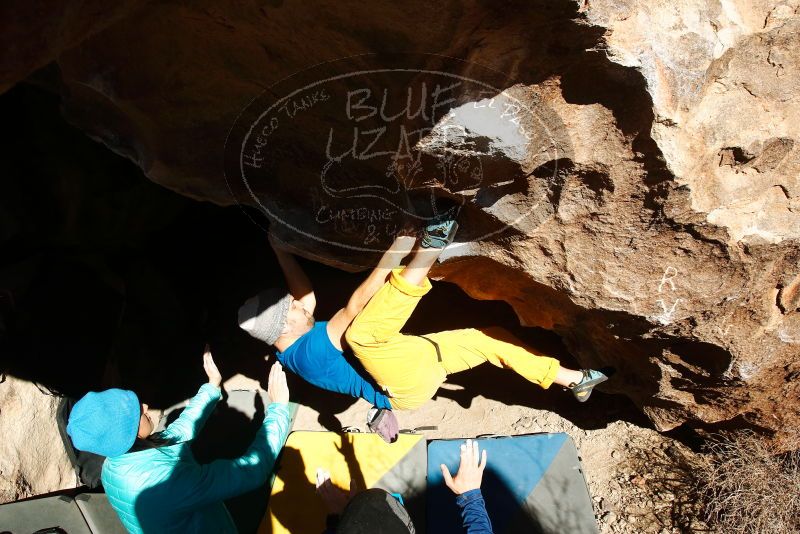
column 409, row 369
column 314, row 350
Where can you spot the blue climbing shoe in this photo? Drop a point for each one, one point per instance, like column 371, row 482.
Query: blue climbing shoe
column 440, row 232
column 583, row 389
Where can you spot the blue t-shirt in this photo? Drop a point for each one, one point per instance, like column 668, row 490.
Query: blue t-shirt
column 320, row 363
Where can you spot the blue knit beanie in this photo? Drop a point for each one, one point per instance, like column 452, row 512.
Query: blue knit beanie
column 105, row 423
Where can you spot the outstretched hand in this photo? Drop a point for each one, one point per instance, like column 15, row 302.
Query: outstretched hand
column 277, row 388
column 213, row 374
column 470, row 472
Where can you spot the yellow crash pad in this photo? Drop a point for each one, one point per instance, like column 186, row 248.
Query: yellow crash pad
column 294, row 506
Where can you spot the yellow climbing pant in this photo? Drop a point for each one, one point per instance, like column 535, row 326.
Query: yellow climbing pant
column 407, row 367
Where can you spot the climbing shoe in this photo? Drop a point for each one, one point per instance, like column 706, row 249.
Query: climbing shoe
column 441, row 231
column 583, row 389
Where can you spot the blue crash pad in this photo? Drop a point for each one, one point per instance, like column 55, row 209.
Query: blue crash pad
column 532, row 484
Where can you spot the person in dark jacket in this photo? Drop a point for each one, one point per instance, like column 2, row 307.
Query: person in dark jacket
column 377, row 511
column 152, row 480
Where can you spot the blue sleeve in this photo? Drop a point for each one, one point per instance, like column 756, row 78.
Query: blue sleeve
column 194, row 416
column 223, row 479
column 355, row 385
column 473, row 512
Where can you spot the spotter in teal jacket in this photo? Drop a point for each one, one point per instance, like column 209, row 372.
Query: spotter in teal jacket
column 165, row 490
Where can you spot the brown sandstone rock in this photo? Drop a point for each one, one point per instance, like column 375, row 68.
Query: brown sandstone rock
column 648, row 213
column 35, row 33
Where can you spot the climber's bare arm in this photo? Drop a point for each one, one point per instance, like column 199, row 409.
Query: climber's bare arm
column 299, row 284
column 391, row 259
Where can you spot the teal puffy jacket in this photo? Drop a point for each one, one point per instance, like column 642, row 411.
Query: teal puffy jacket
column 165, row 490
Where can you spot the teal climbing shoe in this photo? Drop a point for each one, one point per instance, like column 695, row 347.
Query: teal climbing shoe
column 440, row 232
column 583, row 389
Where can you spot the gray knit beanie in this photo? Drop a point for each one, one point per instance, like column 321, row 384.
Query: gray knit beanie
column 264, row 315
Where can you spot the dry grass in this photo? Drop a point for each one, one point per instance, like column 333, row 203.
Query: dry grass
column 748, row 488
column 663, row 491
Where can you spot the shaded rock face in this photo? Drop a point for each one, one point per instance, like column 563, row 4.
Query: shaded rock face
column 627, row 174
column 35, row 33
